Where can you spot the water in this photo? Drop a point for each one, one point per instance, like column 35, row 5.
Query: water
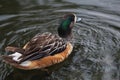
column 96, row 54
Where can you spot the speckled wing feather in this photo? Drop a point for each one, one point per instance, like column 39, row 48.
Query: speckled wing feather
column 43, row 45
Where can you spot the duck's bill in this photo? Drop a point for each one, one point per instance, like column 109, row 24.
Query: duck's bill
column 78, row 19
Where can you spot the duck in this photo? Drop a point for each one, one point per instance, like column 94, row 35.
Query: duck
column 46, row 49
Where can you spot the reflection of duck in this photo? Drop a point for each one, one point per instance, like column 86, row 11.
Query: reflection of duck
column 45, row 49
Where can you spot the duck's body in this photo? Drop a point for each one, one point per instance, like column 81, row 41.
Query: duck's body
column 43, row 50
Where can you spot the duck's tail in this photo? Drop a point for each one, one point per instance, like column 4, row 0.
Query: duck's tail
column 14, row 58
column 14, row 49
column 9, row 60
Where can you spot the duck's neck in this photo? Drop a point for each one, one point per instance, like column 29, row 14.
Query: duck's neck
column 65, row 34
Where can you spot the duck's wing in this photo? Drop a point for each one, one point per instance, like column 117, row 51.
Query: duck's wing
column 43, row 45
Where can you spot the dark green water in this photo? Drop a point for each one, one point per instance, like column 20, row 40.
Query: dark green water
column 96, row 54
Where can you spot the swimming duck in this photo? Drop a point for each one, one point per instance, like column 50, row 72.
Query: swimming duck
column 44, row 50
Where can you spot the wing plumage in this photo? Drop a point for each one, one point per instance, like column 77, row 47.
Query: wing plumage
column 43, row 45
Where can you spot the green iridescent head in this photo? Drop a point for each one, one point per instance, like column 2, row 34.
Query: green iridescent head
column 66, row 25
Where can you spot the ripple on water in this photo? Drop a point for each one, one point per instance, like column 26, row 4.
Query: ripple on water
column 97, row 37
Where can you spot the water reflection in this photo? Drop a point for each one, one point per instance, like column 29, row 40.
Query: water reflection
column 97, row 37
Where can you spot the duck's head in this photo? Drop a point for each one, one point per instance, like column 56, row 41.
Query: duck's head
column 66, row 25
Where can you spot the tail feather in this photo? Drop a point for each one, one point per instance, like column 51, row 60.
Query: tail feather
column 14, row 49
column 8, row 59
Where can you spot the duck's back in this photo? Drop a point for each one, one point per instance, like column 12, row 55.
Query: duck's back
column 43, row 45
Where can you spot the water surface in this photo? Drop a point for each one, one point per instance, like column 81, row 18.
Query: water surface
column 96, row 54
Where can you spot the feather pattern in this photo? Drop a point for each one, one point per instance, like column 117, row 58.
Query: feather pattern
column 43, row 45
